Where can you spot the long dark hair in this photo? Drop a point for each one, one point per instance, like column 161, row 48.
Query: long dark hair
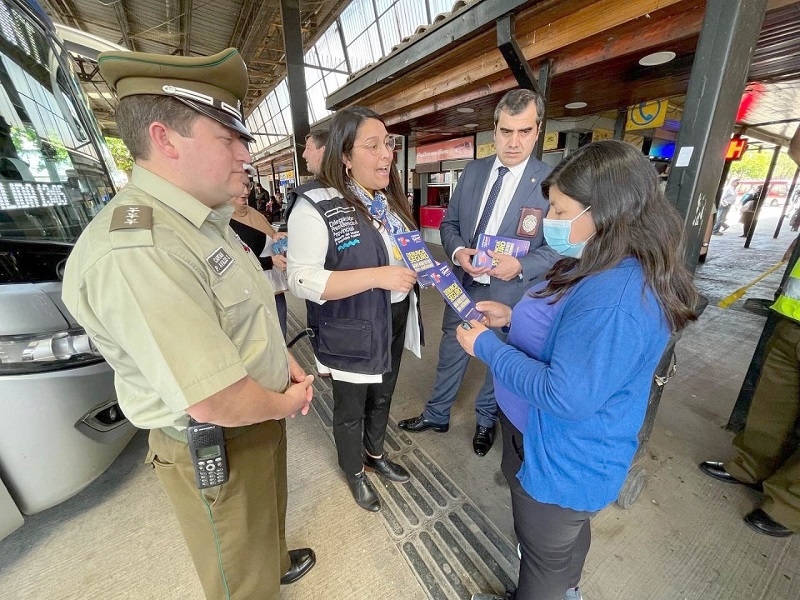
column 341, row 138
column 632, row 218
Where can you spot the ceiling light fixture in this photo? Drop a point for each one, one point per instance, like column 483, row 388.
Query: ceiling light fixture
column 574, row 105
column 656, row 58
column 465, row 110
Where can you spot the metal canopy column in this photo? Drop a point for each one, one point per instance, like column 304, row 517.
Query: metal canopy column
column 522, row 71
column 724, row 52
column 296, row 80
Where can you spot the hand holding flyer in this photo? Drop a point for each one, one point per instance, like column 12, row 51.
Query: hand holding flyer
column 511, row 246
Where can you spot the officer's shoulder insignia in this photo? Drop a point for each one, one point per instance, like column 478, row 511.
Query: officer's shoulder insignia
column 132, row 217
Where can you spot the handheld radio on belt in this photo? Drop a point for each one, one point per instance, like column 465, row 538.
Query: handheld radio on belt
column 207, row 449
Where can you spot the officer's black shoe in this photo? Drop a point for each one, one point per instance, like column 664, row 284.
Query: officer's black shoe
column 420, row 423
column 717, row 471
column 363, row 492
column 483, row 440
column 386, row 468
column 303, row 559
column 763, row 523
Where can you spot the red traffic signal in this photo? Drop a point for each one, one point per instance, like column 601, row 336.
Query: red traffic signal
column 736, row 148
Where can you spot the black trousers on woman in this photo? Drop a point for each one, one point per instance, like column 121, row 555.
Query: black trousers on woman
column 361, row 410
column 554, row 540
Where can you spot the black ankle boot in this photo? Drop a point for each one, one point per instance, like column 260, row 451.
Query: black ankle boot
column 363, row 492
column 386, row 468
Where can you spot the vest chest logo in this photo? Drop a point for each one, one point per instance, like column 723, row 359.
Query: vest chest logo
column 344, row 227
column 219, row 260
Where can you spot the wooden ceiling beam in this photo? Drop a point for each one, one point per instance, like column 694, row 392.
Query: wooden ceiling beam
column 546, row 38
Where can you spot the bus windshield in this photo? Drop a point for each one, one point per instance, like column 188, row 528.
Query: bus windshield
column 53, row 161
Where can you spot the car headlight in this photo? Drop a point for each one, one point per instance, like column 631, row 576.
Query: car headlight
column 37, row 353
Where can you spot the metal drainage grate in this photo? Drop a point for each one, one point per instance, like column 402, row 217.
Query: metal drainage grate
column 454, row 550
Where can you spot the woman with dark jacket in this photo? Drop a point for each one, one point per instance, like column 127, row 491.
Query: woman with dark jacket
column 361, row 298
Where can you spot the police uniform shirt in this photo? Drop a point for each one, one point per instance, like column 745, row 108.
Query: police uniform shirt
column 179, row 309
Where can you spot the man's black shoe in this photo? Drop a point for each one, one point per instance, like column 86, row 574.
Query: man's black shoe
column 717, row 471
column 386, row 468
column 303, row 559
column 420, row 423
column 483, row 440
column 763, row 523
column 363, row 492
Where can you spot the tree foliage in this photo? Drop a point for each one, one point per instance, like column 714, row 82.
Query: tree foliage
column 754, row 165
column 120, row 153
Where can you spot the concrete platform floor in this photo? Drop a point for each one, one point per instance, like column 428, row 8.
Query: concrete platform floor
column 683, row 539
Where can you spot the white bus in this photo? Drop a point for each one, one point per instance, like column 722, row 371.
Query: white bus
column 60, row 426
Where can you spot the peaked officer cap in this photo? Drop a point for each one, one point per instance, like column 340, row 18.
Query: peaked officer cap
column 213, row 85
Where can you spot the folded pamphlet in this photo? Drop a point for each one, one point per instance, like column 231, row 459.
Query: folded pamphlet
column 497, row 244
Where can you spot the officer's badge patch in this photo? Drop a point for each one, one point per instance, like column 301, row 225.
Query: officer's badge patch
column 219, row 260
column 132, row 217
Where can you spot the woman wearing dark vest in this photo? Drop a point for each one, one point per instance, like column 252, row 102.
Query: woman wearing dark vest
column 360, row 296
column 254, row 230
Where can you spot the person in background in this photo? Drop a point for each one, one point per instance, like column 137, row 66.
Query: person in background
column 749, row 209
column 254, row 230
column 768, row 449
column 200, row 338
column 498, row 195
column 315, row 150
column 361, row 298
column 574, row 378
column 726, row 201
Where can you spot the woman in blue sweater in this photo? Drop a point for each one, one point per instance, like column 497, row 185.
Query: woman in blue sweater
column 574, row 377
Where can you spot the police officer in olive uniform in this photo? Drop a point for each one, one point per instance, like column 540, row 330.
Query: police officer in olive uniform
column 768, row 449
column 181, row 310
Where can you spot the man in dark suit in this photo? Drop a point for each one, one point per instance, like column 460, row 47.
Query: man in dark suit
column 498, row 195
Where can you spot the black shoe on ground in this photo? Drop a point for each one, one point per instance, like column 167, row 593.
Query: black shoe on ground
column 363, row 492
column 386, row 468
column 763, row 523
column 717, row 471
column 420, row 423
column 483, row 440
column 303, row 559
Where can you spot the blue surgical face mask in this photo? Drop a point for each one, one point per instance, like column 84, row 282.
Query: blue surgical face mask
column 557, row 232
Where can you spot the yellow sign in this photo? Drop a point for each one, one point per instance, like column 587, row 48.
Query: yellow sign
column 602, row 134
column 550, row 141
column 647, row 115
column 484, row 150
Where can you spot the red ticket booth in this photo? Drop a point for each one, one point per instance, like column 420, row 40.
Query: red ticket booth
column 439, row 166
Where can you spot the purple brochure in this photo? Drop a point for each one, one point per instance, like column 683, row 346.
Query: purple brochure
column 416, row 255
column 452, row 291
column 510, row 246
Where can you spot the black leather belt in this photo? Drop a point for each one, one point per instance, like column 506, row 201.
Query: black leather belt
column 479, row 284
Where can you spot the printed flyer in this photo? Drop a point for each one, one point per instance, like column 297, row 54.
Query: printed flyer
column 452, row 291
column 511, row 246
column 416, row 255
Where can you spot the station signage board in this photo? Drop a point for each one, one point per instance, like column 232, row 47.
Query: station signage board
column 457, row 149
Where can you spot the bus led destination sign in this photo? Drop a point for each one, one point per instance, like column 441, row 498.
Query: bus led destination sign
column 31, row 194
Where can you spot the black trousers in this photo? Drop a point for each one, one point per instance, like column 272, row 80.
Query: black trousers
column 554, row 540
column 361, row 410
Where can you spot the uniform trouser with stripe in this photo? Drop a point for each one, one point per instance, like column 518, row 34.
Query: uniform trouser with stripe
column 554, row 540
column 235, row 531
column 361, row 410
column 769, row 445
